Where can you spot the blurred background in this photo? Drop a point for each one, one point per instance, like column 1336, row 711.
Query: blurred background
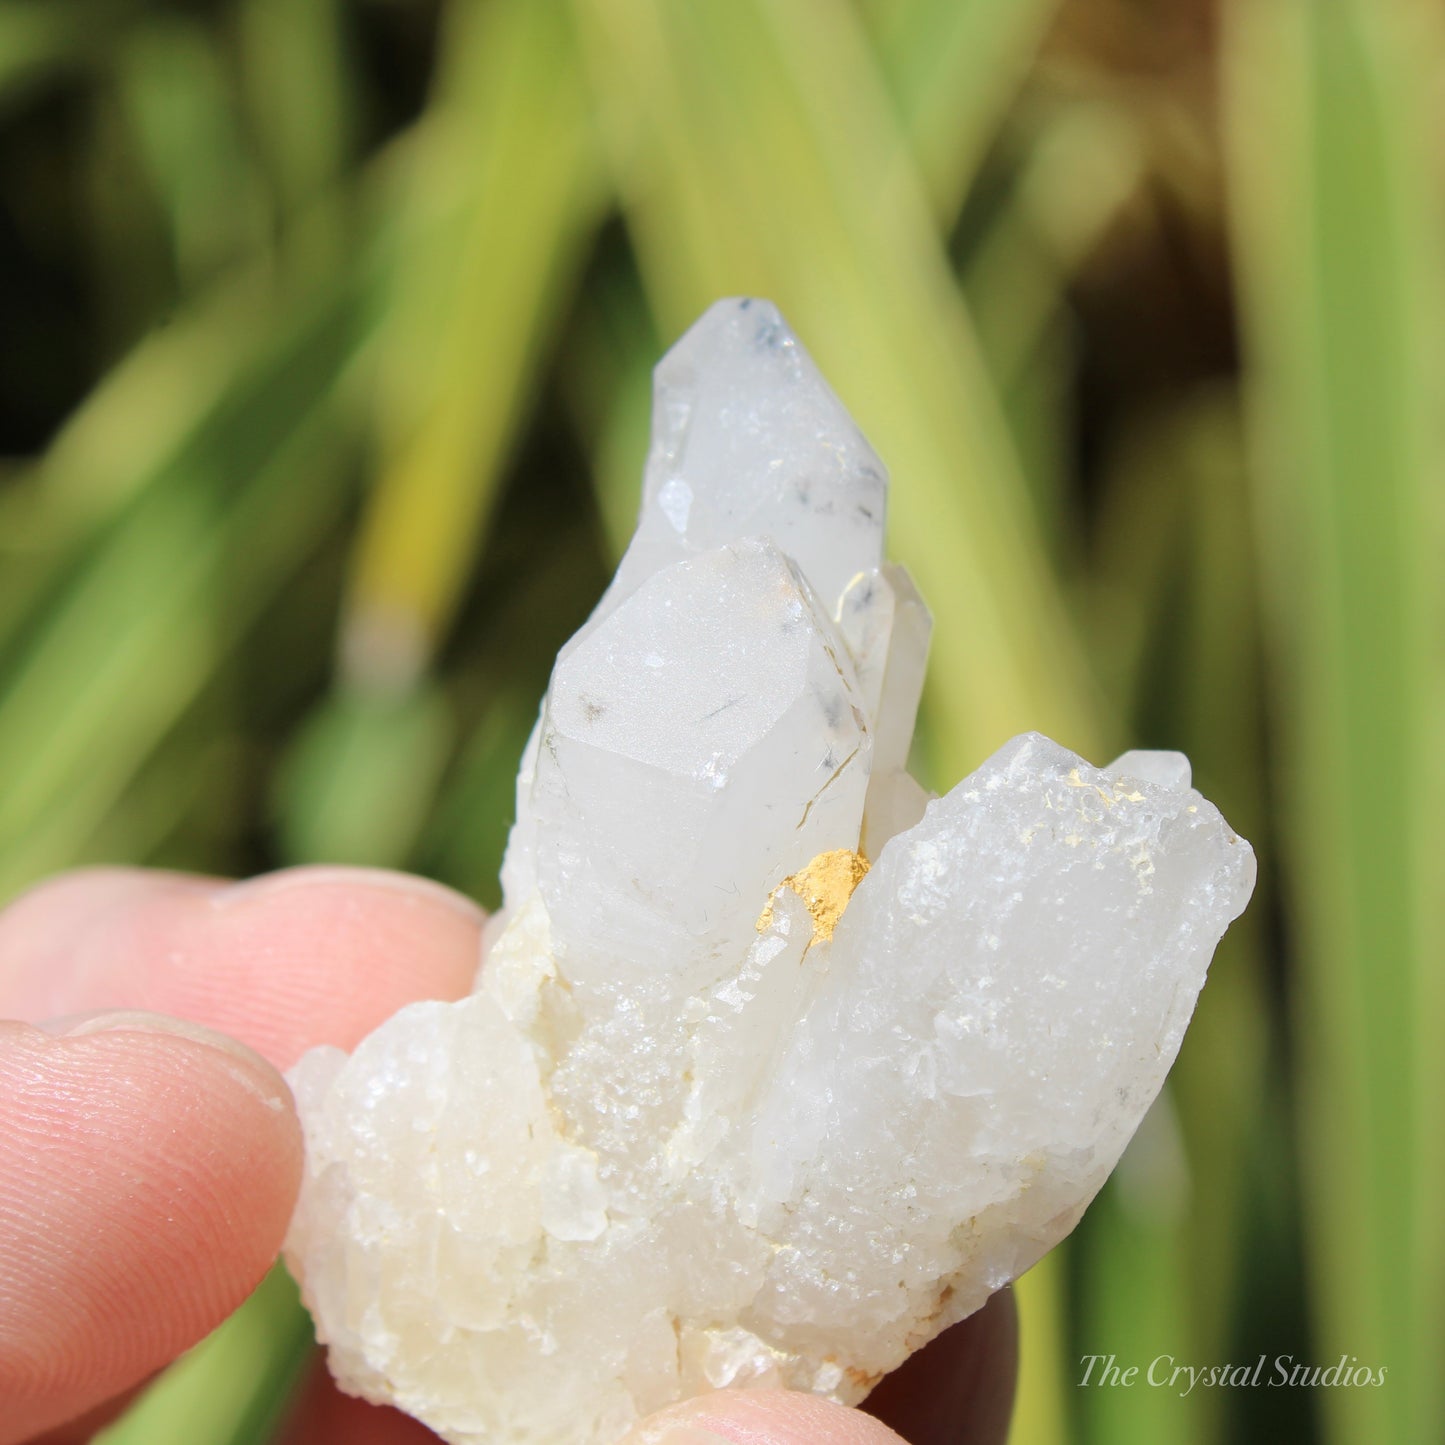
column 325, row 338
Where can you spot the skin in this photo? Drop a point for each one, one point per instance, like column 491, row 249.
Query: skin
column 150, row 1152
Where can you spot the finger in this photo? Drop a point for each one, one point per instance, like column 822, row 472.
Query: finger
column 960, row 1386
column 147, row 1174
column 761, row 1417
column 85, row 1427
column 285, row 961
column 325, row 1416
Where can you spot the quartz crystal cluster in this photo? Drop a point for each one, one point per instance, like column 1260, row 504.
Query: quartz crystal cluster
column 776, row 1066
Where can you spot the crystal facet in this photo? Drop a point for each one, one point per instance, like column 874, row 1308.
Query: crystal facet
column 748, row 440
column 720, row 681
column 776, row 1067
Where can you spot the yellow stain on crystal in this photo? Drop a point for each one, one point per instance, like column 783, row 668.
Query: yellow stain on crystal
column 825, row 886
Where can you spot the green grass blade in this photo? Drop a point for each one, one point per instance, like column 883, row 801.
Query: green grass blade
column 1043, row 1412
column 1164, row 1266
column 472, row 817
column 40, row 39
column 293, row 65
column 1133, row 1255
column 954, row 65
column 187, row 129
column 1331, row 113
column 507, row 190
column 1213, row 710
column 186, row 805
column 361, row 775
column 138, row 633
column 1083, row 165
column 607, row 374
column 130, row 431
column 160, row 409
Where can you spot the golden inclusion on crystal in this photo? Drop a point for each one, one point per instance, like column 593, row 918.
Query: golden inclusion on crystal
column 825, row 886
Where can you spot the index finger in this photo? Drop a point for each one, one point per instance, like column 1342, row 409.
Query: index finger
column 286, row 961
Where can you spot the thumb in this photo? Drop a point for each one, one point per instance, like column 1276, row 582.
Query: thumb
column 148, row 1168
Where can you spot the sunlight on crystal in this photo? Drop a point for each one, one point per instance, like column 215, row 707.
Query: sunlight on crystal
column 777, row 1067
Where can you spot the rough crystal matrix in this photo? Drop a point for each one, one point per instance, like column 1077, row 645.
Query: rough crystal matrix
column 775, row 1067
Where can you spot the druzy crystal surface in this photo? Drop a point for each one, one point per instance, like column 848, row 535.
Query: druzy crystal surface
column 775, row 1066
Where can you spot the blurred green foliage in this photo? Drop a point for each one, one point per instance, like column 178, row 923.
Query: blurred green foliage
column 325, row 333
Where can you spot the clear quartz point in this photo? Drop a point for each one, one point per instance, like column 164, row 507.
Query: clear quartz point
column 776, row 1066
column 748, row 440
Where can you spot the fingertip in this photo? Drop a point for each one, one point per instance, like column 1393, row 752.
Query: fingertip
column 54, row 936
column 325, row 1415
column 284, row 962
column 412, row 890
column 960, row 1386
column 322, row 955
column 761, row 1417
column 77, row 894
column 148, row 1170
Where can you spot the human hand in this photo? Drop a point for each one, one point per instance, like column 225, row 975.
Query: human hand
column 150, row 1153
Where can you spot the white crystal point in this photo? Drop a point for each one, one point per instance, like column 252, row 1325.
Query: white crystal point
column 1004, row 996
column 749, row 440
column 701, row 743
column 725, row 1107
column 895, row 802
column 1169, row 770
column 886, row 627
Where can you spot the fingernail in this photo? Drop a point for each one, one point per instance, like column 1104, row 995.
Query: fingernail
column 408, row 885
column 255, row 1073
column 138, row 1021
